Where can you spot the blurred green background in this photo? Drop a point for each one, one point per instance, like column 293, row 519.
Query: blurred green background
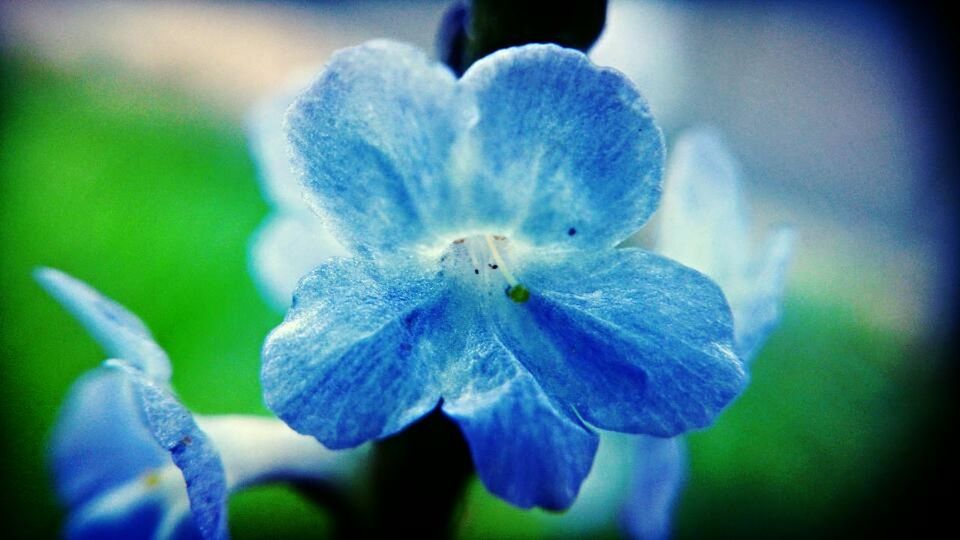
column 151, row 196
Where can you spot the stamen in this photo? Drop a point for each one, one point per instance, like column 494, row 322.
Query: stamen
column 502, row 266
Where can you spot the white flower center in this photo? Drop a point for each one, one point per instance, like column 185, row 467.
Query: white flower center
column 484, row 261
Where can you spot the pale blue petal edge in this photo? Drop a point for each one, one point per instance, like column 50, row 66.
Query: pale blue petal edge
column 704, row 225
column 702, row 219
column 756, row 315
column 119, row 332
column 657, row 478
column 286, row 247
column 270, row 148
column 174, row 429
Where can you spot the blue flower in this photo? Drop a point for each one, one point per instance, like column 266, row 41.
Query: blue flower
column 483, row 214
column 131, row 461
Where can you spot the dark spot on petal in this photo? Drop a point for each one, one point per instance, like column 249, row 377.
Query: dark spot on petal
column 186, row 440
column 493, row 266
column 571, row 231
column 476, row 270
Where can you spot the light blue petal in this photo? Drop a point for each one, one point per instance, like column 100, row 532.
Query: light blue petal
column 704, row 225
column 356, row 357
column 175, row 430
column 287, row 247
column 702, row 220
column 372, row 137
column 119, row 332
column 100, row 441
column 757, row 312
column 527, row 449
column 560, row 146
column 658, row 477
column 271, row 150
column 635, row 342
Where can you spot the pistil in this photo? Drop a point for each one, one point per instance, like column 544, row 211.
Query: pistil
column 516, row 291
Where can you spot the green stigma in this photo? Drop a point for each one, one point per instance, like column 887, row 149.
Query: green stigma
column 518, row 293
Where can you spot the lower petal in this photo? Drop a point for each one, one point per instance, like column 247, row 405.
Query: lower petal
column 526, row 449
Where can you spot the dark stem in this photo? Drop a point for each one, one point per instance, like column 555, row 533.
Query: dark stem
column 419, row 477
column 347, row 523
column 472, row 30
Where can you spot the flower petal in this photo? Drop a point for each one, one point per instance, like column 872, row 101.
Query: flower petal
column 100, row 441
column 175, row 429
column 756, row 310
column 119, row 332
column 658, row 477
column 603, row 491
column 563, row 151
column 355, row 358
column 526, row 448
column 287, row 247
column 634, row 341
column 271, row 149
column 703, row 225
column 372, row 137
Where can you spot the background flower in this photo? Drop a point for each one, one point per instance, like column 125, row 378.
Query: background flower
column 131, row 461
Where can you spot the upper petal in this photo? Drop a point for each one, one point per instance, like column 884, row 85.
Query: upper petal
column 527, row 448
column 635, row 342
column 356, row 357
column 371, row 138
column 119, row 332
column 562, row 150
